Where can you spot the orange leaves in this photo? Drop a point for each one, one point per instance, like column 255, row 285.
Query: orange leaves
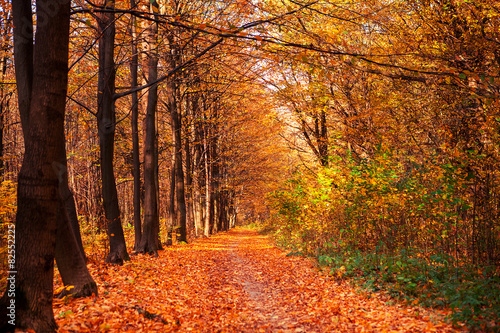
column 233, row 282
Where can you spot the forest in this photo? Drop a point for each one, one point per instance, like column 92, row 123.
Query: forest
column 363, row 135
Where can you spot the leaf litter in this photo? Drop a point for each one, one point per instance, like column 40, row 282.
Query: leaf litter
column 235, row 281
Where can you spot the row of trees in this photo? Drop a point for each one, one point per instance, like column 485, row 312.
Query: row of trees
column 392, row 109
column 178, row 123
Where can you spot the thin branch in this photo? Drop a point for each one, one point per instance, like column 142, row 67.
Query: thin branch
column 169, row 73
column 82, row 105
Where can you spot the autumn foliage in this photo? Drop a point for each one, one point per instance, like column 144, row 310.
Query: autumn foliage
column 407, row 193
column 362, row 134
column 233, row 282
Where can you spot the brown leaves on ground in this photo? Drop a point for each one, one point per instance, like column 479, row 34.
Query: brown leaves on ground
column 232, row 282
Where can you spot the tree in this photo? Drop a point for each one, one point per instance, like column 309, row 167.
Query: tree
column 174, row 107
column 42, row 76
column 150, row 237
column 136, row 167
column 106, row 119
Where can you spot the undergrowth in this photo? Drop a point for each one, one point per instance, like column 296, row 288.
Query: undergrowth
column 472, row 294
column 417, row 228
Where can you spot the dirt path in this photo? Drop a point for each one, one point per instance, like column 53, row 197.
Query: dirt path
column 232, row 282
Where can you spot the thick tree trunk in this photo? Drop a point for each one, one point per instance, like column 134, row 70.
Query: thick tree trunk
column 106, row 120
column 42, row 85
column 70, row 208
column 149, row 241
column 70, row 255
column 136, row 164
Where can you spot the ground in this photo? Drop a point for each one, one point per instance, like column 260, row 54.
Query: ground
column 232, row 282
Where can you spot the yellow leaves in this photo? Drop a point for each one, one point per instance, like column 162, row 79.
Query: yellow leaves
column 340, row 272
column 67, row 288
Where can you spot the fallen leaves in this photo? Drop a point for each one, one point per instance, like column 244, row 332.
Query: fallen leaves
column 231, row 282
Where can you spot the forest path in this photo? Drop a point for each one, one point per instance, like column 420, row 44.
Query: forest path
column 231, row 282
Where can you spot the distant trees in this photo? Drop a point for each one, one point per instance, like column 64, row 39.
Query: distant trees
column 193, row 87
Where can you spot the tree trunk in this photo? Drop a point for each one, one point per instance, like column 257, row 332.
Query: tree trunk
column 197, row 175
column 157, row 185
column 322, row 138
column 189, row 175
column 106, row 120
column 68, row 202
column 42, row 86
column 136, row 164
column 179, row 172
column 214, row 175
column 171, row 208
column 197, row 195
column 70, row 255
column 208, row 182
column 149, row 242
column 176, row 124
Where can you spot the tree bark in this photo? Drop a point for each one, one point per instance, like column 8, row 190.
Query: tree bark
column 171, row 208
column 42, row 86
column 189, row 175
column 197, row 175
column 208, row 181
column 321, row 133
column 70, row 255
column 149, row 241
column 197, row 187
column 136, row 167
column 106, row 120
column 176, row 124
column 214, row 175
column 179, row 172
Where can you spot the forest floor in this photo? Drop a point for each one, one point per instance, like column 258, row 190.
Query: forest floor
column 232, row 282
